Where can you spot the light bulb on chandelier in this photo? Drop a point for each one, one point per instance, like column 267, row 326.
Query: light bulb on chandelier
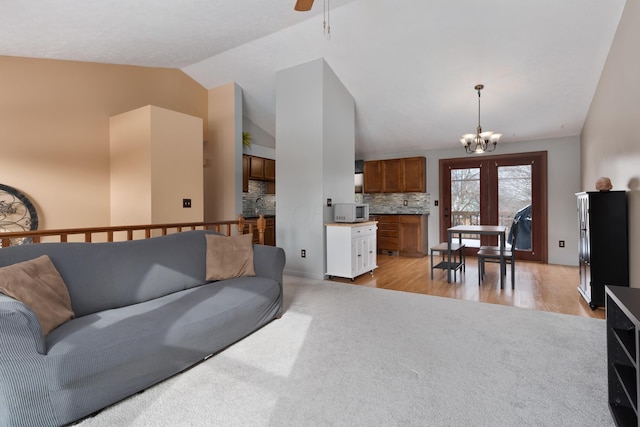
column 480, row 142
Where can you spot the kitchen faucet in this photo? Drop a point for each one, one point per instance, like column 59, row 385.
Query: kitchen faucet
column 259, row 204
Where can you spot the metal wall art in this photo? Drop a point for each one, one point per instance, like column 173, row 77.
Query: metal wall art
column 17, row 213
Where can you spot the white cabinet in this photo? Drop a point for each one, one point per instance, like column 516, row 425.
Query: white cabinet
column 351, row 249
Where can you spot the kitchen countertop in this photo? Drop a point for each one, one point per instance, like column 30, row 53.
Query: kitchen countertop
column 257, row 216
column 350, row 224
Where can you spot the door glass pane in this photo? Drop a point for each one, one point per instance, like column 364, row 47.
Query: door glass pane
column 514, row 202
column 465, row 201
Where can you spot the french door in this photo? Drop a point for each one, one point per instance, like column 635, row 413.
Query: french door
column 496, row 190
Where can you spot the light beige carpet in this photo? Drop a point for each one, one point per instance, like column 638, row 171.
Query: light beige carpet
column 346, row 355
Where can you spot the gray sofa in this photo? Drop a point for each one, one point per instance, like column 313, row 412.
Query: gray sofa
column 143, row 312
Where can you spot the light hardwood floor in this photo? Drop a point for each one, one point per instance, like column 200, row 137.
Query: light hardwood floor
column 538, row 286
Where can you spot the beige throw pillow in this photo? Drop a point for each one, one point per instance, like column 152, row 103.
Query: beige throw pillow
column 229, row 256
column 38, row 284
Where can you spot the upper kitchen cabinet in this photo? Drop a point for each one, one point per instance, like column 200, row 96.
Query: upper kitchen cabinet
column 406, row 175
column 256, row 168
column 262, row 169
column 373, row 176
column 245, row 173
column 392, row 176
column 259, row 168
column 269, row 169
column 414, row 170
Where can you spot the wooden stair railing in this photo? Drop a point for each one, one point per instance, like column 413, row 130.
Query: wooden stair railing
column 241, row 224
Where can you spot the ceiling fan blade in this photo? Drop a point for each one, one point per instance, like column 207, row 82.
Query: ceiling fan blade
column 303, row 5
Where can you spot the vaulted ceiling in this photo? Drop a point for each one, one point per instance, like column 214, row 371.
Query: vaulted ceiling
column 411, row 65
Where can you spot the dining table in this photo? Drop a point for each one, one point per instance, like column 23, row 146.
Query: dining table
column 486, row 230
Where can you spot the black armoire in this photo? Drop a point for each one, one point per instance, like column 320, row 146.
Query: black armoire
column 603, row 246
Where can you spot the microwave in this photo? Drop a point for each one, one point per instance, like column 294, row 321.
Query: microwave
column 350, row 212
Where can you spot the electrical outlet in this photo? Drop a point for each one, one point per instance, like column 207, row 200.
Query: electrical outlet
column 186, row 203
column 303, row 253
column 329, row 202
column 435, row 203
column 561, row 243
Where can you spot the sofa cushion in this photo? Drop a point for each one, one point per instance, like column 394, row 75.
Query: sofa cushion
column 229, row 256
column 101, row 276
column 38, row 284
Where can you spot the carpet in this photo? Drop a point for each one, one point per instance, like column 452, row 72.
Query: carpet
column 347, row 355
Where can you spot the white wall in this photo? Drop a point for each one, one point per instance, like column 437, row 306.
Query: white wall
column 610, row 135
column 314, row 160
column 260, row 151
column 339, row 138
column 259, row 136
column 563, row 157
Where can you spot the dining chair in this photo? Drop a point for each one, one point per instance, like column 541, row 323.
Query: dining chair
column 492, row 254
column 457, row 262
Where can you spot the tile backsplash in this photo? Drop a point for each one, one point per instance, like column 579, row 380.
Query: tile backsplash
column 379, row 203
column 258, row 197
column 394, row 203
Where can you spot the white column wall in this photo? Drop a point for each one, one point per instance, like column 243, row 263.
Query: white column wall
column 314, row 160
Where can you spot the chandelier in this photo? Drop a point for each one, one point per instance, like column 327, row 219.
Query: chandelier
column 480, row 142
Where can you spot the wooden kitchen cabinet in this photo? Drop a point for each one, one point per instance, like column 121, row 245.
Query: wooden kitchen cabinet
column 269, row 232
column 373, row 176
column 269, row 169
column 388, row 232
column 245, row 174
column 405, row 235
column 259, row 169
column 392, row 176
column 414, row 170
column 262, row 169
column 413, row 235
column 256, row 168
column 405, row 175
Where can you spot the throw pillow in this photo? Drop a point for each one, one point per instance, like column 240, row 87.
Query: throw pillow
column 38, row 284
column 229, row 256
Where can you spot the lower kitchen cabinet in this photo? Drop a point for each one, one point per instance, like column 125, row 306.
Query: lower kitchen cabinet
column 269, row 232
column 413, row 235
column 405, row 235
column 351, row 249
column 388, row 232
